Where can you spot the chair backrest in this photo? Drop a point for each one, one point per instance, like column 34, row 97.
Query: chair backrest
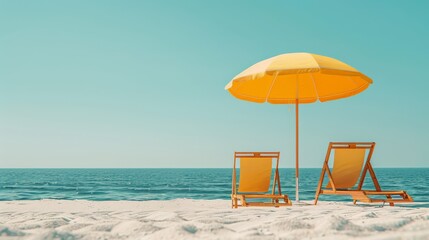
column 255, row 170
column 348, row 162
column 255, row 174
column 347, row 167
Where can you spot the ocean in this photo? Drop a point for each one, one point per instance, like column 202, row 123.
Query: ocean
column 172, row 183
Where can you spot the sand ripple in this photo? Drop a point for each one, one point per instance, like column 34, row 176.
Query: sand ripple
column 206, row 219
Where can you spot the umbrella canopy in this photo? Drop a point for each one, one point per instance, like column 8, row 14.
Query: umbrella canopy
column 296, row 78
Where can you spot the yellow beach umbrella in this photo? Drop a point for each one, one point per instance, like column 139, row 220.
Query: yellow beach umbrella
column 297, row 78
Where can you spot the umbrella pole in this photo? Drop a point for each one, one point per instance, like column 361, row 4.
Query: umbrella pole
column 296, row 152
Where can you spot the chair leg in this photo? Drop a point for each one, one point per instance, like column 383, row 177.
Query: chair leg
column 316, row 198
column 243, row 201
column 391, row 203
column 286, row 200
column 234, row 201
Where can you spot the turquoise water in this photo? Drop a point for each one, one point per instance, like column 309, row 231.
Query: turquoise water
column 161, row 184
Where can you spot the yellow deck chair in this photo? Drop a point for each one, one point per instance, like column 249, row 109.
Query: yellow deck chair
column 255, row 179
column 349, row 158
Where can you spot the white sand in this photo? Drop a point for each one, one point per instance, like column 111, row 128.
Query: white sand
column 206, row 219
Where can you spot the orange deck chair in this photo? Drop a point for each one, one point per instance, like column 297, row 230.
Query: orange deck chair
column 349, row 157
column 255, row 179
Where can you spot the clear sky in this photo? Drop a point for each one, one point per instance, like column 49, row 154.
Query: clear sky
column 141, row 84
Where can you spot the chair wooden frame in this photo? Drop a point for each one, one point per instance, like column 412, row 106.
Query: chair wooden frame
column 358, row 194
column 275, row 197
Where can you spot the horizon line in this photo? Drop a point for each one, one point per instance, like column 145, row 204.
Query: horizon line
column 4, row 168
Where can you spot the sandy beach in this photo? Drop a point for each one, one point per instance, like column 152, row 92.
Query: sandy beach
column 206, row 219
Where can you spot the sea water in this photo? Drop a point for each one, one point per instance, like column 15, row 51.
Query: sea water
column 193, row 183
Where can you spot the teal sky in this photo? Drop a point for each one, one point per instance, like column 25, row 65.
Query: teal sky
column 141, row 84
